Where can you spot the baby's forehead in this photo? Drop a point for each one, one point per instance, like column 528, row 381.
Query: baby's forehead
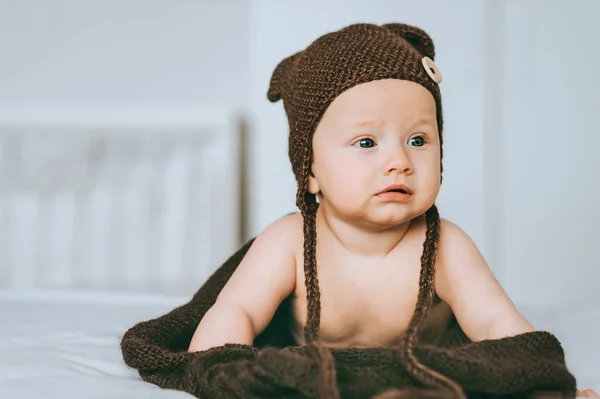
column 366, row 120
column 394, row 102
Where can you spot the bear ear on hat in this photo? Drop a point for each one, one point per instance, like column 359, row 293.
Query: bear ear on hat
column 280, row 77
column 417, row 37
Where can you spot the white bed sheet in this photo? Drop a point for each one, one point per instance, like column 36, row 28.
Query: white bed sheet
column 67, row 344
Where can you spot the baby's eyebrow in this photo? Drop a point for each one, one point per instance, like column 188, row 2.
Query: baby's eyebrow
column 422, row 120
column 366, row 123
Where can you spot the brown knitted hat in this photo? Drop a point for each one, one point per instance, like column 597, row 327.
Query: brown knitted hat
column 308, row 82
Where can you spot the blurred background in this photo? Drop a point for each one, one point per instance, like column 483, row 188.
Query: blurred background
column 138, row 149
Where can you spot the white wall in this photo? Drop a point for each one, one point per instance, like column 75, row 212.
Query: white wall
column 550, row 148
column 112, row 53
column 519, row 98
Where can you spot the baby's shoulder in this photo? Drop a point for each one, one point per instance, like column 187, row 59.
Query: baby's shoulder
column 456, row 248
column 291, row 223
column 451, row 236
column 448, row 228
column 285, row 231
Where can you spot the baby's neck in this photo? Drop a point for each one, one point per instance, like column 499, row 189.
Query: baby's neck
column 361, row 240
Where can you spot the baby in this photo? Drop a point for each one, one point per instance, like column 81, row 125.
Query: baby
column 365, row 118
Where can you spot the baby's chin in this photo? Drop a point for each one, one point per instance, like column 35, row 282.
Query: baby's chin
column 383, row 219
column 376, row 216
column 391, row 221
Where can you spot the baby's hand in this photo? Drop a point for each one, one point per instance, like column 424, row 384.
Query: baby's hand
column 588, row 393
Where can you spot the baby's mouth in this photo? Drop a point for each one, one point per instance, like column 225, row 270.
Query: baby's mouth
column 398, row 188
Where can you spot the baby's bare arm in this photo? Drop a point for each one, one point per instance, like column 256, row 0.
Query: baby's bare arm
column 247, row 303
column 466, row 283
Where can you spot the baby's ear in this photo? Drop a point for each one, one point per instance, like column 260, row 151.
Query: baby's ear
column 313, row 184
column 417, row 37
column 280, row 77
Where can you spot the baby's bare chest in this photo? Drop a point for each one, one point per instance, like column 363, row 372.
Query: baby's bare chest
column 362, row 303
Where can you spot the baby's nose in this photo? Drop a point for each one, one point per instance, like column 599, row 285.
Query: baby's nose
column 399, row 162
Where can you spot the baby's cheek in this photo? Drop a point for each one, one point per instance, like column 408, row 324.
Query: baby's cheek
column 347, row 194
column 348, row 180
column 432, row 184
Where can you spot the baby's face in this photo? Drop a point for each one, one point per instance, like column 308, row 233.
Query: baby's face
column 373, row 136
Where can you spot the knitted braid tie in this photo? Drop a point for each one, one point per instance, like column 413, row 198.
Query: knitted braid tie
column 308, row 81
column 426, row 289
column 327, row 374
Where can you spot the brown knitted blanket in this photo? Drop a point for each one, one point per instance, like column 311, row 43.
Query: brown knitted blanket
column 528, row 365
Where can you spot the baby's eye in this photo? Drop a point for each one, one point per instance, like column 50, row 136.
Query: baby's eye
column 365, row 143
column 417, row 141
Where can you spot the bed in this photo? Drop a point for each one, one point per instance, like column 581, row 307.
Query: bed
column 115, row 217
column 107, row 217
column 66, row 344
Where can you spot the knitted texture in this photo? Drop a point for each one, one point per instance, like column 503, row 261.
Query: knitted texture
column 515, row 367
column 274, row 366
column 307, row 82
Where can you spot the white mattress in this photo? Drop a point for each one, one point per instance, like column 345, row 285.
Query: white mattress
column 67, row 344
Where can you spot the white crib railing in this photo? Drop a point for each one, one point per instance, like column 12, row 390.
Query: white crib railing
column 143, row 201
